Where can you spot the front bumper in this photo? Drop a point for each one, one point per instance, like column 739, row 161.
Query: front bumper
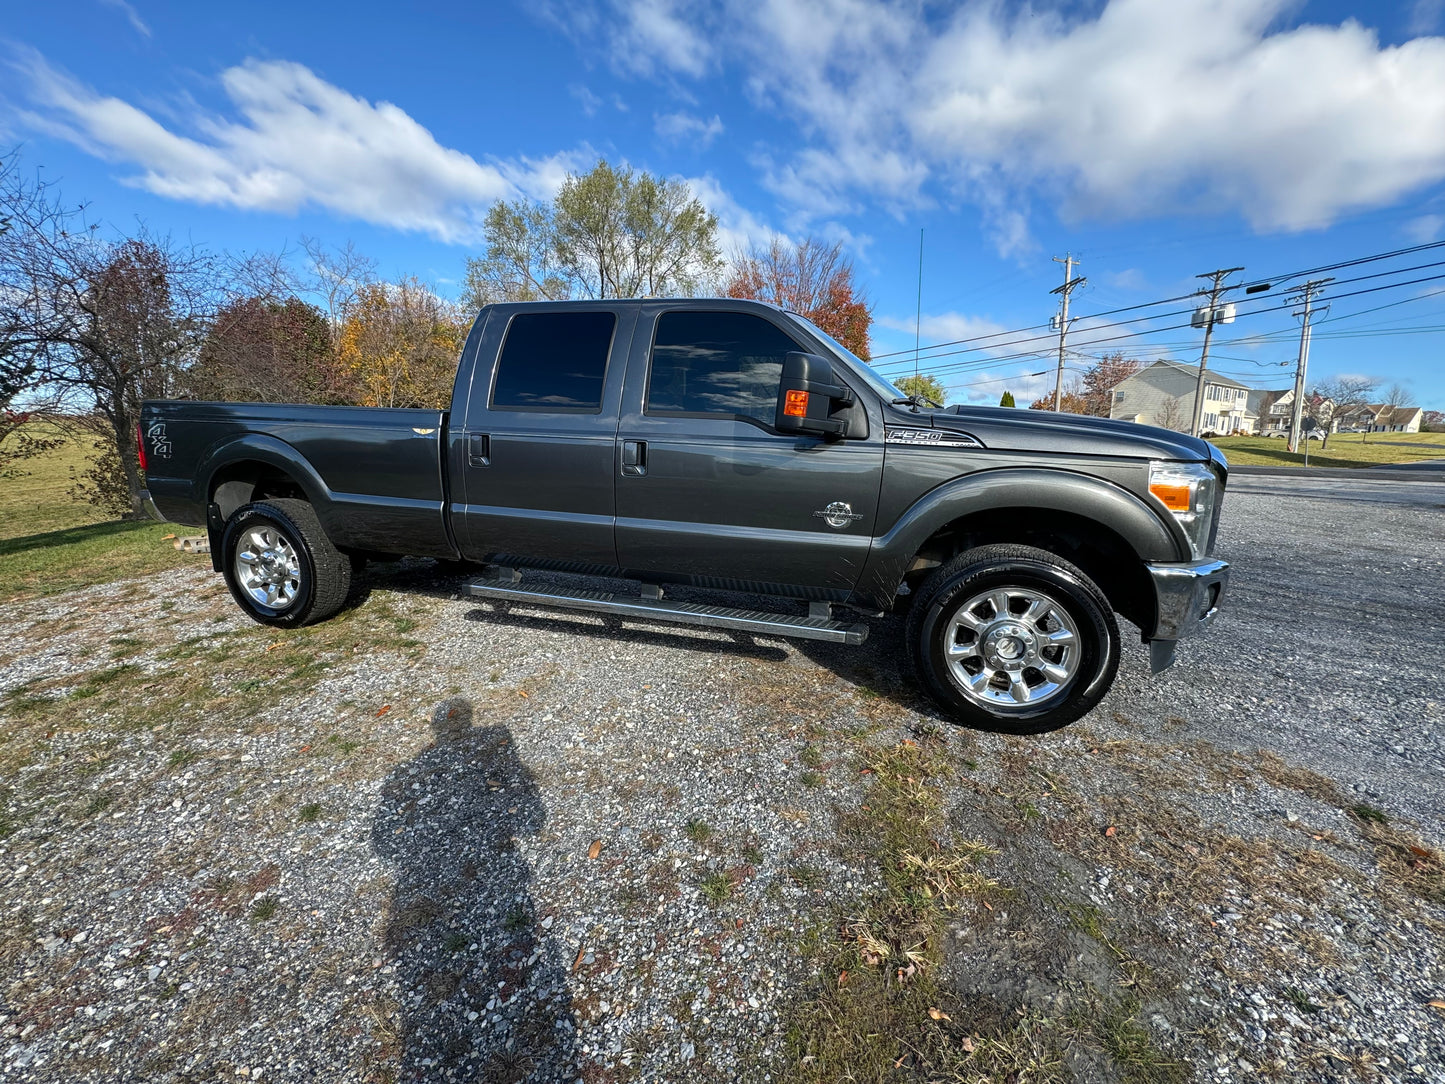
column 1187, row 598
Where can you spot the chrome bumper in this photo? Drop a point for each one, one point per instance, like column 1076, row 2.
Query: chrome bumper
column 150, row 506
column 1187, row 598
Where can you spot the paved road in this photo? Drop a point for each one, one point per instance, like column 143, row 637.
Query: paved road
column 1331, row 651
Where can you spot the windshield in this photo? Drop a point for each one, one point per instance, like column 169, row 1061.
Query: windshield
column 866, row 371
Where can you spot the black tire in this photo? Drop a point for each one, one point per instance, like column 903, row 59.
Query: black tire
column 939, row 602
column 324, row 574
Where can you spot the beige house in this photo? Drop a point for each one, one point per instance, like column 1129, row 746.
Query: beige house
column 1163, row 394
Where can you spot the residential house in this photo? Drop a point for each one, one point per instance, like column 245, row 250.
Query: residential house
column 1383, row 418
column 1272, row 409
column 1163, row 394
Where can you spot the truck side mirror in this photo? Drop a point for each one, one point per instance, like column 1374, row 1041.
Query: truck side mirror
column 809, row 394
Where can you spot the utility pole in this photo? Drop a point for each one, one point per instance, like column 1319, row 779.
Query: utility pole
column 1306, row 295
column 1063, row 318
column 1212, row 315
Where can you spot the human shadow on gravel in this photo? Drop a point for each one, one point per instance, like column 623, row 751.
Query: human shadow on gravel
column 482, row 987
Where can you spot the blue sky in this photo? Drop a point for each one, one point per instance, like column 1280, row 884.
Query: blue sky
column 1154, row 139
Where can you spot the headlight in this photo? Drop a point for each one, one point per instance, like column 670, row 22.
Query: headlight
column 1188, row 491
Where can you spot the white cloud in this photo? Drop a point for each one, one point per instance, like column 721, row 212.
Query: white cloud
column 295, row 141
column 1141, row 108
column 738, row 228
column 1425, row 16
column 590, row 102
column 132, row 16
column 1425, row 229
column 684, row 127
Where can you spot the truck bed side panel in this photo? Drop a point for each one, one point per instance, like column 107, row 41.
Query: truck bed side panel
column 374, row 475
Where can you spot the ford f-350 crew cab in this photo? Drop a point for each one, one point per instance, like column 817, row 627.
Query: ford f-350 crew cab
column 730, row 445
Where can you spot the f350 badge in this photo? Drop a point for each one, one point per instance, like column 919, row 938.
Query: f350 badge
column 838, row 514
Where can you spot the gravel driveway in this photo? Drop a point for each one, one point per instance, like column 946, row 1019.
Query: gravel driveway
column 436, row 841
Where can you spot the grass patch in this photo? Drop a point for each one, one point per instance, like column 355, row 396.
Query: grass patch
column 180, row 758
column 264, row 909
column 811, row 756
column 309, row 813
column 716, row 888
column 76, row 557
column 698, row 830
column 811, row 780
column 1342, row 450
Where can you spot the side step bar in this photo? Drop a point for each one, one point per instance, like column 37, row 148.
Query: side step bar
column 818, row 625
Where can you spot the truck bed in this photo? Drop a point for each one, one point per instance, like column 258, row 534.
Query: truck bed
column 375, row 475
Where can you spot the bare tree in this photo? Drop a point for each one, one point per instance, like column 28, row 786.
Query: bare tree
column 336, row 278
column 1398, row 405
column 25, row 320
column 102, row 323
column 1170, row 414
column 1338, row 401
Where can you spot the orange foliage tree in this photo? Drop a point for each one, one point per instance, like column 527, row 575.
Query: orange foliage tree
column 810, row 278
column 1094, row 392
column 399, row 344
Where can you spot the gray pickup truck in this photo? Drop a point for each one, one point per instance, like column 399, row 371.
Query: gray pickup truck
column 724, row 445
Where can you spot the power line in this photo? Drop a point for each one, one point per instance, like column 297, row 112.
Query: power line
column 995, row 359
column 1173, row 312
column 1183, row 297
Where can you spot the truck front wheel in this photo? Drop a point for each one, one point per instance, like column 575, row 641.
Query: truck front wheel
column 281, row 567
column 1013, row 638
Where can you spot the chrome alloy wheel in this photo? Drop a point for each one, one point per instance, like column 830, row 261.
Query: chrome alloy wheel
column 267, row 567
column 1011, row 647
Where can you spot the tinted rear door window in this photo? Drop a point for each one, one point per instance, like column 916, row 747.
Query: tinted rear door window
column 717, row 363
column 554, row 362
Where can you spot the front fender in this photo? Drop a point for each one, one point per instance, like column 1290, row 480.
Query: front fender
column 1033, row 488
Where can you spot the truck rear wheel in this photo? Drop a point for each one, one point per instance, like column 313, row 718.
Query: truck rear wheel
column 1014, row 639
column 281, row 567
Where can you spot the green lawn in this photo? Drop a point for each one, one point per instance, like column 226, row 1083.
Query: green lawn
column 50, row 543
column 1343, row 450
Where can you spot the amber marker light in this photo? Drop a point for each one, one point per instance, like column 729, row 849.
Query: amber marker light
column 1173, row 496
column 795, row 405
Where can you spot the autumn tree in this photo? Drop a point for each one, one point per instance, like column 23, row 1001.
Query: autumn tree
column 1432, row 421
column 925, row 386
column 399, row 344
column 1100, row 379
column 810, row 278
column 610, row 232
column 1092, row 392
column 262, row 350
column 1071, row 399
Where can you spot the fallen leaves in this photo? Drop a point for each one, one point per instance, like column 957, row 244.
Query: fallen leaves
column 594, row 850
column 581, row 955
column 938, row 1014
column 1111, row 831
column 384, row 709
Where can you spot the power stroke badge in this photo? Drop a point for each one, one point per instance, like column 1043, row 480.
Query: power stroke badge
column 838, row 514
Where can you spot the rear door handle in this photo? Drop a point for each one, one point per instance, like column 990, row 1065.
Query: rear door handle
column 479, row 450
column 634, row 457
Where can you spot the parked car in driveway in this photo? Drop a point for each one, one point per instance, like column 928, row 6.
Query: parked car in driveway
column 726, row 445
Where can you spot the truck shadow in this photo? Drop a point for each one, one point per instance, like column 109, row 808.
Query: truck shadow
column 482, row 986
